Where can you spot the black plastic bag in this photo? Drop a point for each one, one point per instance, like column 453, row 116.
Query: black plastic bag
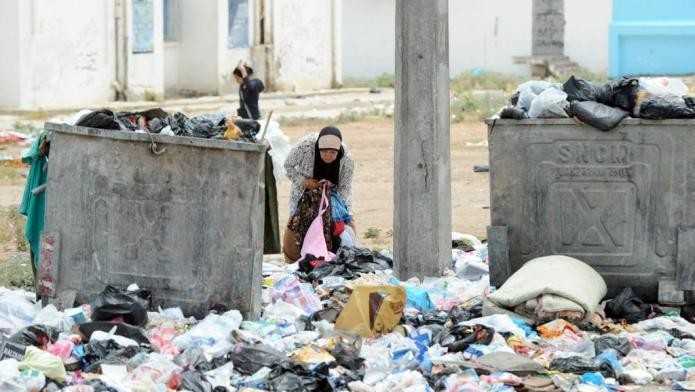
column 108, row 352
column 195, row 382
column 664, row 107
column 35, row 335
column 297, row 378
column 248, row 359
column 101, row 119
column 689, row 101
column 596, row 114
column 125, row 330
column 621, row 345
column 348, row 357
column 513, row 113
column 459, row 337
column 576, row 365
column 350, row 263
column 620, row 93
column 113, row 303
column 629, row 307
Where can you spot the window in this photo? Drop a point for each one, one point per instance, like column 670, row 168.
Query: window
column 171, row 20
column 238, row 24
column 143, row 26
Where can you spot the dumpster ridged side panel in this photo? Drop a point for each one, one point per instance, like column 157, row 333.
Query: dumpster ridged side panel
column 614, row 200
column 187, row 224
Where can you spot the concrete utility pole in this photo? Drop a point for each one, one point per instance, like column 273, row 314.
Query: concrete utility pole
column 422, row 190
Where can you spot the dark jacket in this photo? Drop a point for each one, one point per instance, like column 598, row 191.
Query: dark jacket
column 249, row 93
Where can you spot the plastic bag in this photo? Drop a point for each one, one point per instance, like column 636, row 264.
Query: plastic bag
column 194, row 381
column 664, row 107
column 211, row 334
column 528, row 91
column 551, row 103
column 418, row 298
column 620, row 93
column 36, row 335
column 47, row 363
column 664, row 86
column 33, row 380
column 372, row 310
column 52, row 317
column 339, row 210
column 596, row 114
column 124, row 330
column 575, row 364
column 629, row 307
column 249, row 359
column 288, row 378
column 113, row 304
column 157, row 370
column 61, row 349
column 289, row 289
column 459, row 337
column 620, row 344
column 16, row 312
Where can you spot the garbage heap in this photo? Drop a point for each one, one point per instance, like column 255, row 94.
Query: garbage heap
column 350, row 324
column 602, row 106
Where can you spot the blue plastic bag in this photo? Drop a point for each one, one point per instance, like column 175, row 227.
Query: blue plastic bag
column 418, row 298
column 339, row 210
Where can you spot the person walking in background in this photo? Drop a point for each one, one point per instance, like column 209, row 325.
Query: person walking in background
column 250, row 90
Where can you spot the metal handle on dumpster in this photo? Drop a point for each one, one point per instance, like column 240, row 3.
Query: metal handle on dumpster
column 153, row 145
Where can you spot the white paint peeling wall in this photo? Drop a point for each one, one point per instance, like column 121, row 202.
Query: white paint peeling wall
column 587, row 33
column 58, row 66
column 302, row 34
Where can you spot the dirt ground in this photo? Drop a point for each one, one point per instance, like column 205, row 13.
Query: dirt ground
column 371, row 145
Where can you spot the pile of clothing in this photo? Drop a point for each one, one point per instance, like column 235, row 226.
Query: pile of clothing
column 212, row 125
column 351, row 325
column 602, row 106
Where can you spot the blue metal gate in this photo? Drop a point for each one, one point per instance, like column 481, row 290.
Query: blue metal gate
column 652, row 37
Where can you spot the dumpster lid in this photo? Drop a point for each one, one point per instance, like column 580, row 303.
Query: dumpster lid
column 162, row 139
column 570, row 121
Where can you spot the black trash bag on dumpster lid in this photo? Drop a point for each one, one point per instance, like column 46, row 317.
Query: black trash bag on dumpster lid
column 513, row 113
column 35, row 335
column 297, row 378
column 629, row 307
column 689, row 101
column 620, row 93
column 113, row 303
column 663, row 107
column 250, row 358
column 596, row 114
column 195, row 382
column 101, row 119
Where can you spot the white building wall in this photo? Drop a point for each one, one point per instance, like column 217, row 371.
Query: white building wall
column 198, row 46
column 10, row 66
column 65, row 58
column 587, row 33
column 146, row 70
column 228, row 58
column 484, row 34
column 303, row 42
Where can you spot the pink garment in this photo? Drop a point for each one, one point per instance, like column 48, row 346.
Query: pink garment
column 314, row 241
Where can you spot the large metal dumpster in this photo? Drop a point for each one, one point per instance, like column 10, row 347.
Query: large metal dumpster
column 623, row 201
column 186, row 224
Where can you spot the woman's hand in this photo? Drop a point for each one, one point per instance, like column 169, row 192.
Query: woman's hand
column 311, row 184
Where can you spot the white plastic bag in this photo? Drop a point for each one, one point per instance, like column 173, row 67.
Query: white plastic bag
column 551, row 103
column 280, row 147
column 664, row 86
column 212, row 334
column 16, row 312
column 52, row 317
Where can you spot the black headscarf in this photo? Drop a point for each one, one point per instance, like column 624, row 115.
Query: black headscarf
column 323, row 170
